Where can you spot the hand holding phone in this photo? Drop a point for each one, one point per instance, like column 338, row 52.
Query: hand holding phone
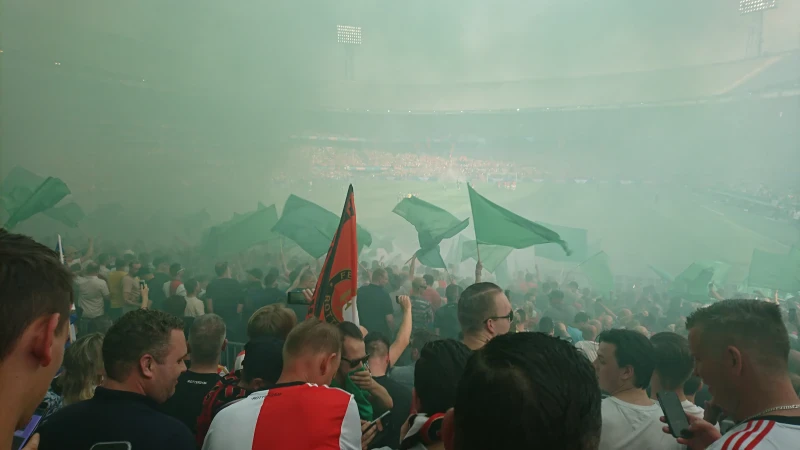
column 674, row 413
column 375, row 422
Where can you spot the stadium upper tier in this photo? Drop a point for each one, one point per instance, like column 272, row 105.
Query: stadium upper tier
column 776, row 73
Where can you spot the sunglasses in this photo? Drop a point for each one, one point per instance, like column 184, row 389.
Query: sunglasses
column 357, row 362
column 509, row 316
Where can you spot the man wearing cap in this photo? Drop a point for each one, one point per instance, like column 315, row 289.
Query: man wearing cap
column 175, row 286
column 156, row 284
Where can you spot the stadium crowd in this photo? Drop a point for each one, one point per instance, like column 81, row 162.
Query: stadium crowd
column 120, row 351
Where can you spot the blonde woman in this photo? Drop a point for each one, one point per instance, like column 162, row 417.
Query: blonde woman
column 83, row 369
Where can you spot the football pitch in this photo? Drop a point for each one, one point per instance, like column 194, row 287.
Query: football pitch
column 636, row 224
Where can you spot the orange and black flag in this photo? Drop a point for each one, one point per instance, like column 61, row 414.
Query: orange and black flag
column 334, row 298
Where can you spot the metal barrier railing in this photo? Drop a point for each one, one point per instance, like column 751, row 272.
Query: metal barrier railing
column 228, row 357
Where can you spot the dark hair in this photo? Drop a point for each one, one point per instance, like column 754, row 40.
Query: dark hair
column 547, row 390
column 351, row 330
column 206, row 337
column 437, row 373
column 134, row 335
column 476, row 304
column 674, row 362
column 378, row 273
column 556, row 295
column 190, row 285
column 452, row 292
column 33, row 284
column 175, row 305
column 159, row 261
column 92, row 268
column 748, row 324
column 632, row 349
column 546, row 325
column 581, row 317
column 377, row 344
column 692, row 385
column 573, row 284
column 220, row 268
column 428, row 279
column 175, row 269
column 263, row 359
column 102, row 258
column 420, row 337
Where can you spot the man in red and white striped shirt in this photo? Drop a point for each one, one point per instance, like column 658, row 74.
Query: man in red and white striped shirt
column 741, row 350
column 300, row 411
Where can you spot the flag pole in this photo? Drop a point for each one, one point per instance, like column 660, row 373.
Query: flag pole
column 472, row 210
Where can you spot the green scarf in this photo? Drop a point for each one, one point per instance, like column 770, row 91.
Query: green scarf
column 360, row 396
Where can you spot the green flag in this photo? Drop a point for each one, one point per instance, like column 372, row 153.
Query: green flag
column 578, row 239
column 20, row 177
column 598, row 271
column 496, row 225
column 433, row 225
column 242, row 232
column 46, row 196
column 491, row 255
column 69, row 214
column 775, row 271
column 312, row 227
column 665, row 276
column 694, row 280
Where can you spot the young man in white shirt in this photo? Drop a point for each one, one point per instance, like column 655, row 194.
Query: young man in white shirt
column 631, row 420
column 194, row 306
column 674, row 366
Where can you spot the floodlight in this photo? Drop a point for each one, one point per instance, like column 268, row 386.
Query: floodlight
column 751, row 6
column 348, row 34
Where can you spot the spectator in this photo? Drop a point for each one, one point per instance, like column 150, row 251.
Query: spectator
column 274, row 320
column 375, row 306
column 254, row 295
column 225, row 297
column 421, row 310
column 117, row 299
column 35, row 298
column 272, row 293
column 405, row 374
column 156, row 284
column 446, row 318
column 176, row 306
column 257, row 374
column 430, row 294
column 103, row 263
column 546, row 326
column 377, row 347
column 131, row 290
column 353, row 375
column 692, row 386
column 588, row 346
column 559, row 311
column 175, row 285
column 83, row 369
column 741, row 351
column 270, row 419
column 674, row 366
column 143, row 356
column 624, row 366
column 531, row 391
column 194, row 306
column 93, row 293
column 206, row 343
column 483, row 312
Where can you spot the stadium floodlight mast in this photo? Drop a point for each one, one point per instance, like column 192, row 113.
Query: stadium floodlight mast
column 756, row 9
column 349, row 36
column 753, row 6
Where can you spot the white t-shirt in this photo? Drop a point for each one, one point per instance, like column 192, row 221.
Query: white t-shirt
column 692, row 409
column 777, row 433
column 194, row 307
column 628, row 426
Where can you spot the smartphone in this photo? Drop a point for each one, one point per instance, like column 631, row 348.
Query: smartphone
column 674, row 413
column 21, row 436
column 121, row 445
column 375, row 422
column 296, row 297
column 142, row 284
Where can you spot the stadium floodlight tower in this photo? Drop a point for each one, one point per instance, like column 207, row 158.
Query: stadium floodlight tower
column 349, row 37
column 756, row 9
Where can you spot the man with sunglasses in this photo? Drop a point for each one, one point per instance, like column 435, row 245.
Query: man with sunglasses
column 484, row 312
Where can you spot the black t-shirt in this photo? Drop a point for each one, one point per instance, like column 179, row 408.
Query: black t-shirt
column 156, row 286
column 113, row 416
column 446, row 320
column 374, row 304
column 401, row 409
column 186, row 403
column 225, row 294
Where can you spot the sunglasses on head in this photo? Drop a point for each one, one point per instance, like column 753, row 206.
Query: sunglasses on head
column 509, row 316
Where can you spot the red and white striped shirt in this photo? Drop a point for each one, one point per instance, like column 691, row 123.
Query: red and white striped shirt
column 769, row 432
column 288, row 416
